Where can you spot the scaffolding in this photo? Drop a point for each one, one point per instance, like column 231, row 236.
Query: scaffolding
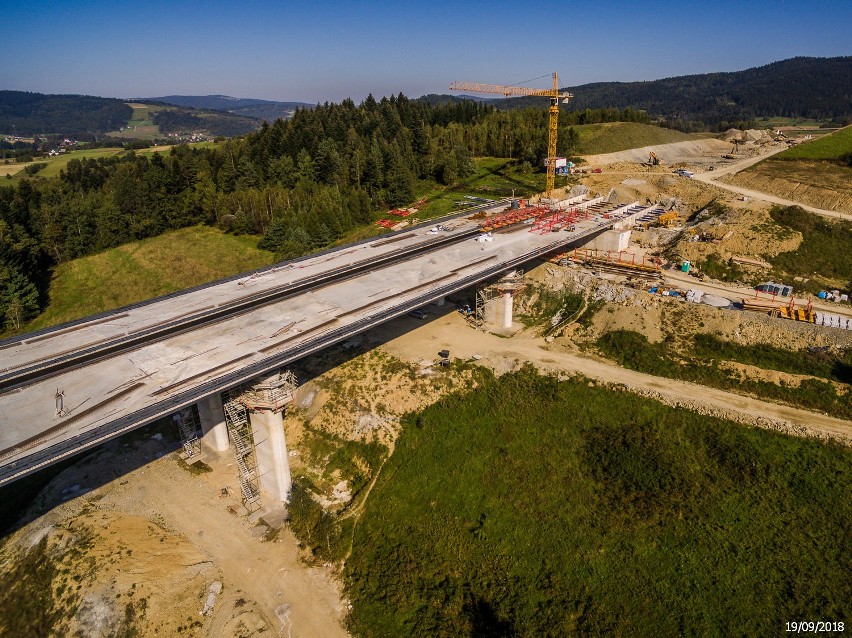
column 272, row 393
column 552, row 221
column 239, row 429
column 187, row 422
column 485, row 295
column 269, row 394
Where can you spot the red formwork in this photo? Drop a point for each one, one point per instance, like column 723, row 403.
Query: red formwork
column 509, row 217
column 552, row 220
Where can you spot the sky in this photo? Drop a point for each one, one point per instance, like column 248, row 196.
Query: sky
column 311, row 51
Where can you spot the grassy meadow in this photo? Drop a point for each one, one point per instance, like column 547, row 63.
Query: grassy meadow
column 140, row 270
column 826, row 248
column 532, row 507
column 828, row 147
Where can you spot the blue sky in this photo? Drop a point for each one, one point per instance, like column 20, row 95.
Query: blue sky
column 318, row 51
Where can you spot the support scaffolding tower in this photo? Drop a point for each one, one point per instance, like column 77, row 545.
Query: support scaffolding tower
column 188, row 425
column 239, row 429
column 270, row 394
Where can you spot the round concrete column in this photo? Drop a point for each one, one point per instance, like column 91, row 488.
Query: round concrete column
column 213, row 427
column 507, row 309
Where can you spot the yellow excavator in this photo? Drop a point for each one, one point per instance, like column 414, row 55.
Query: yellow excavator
column 653, row 160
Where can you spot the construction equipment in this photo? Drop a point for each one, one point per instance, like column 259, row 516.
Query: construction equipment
column 667, row 219
column 653, row 160
column 554, row 96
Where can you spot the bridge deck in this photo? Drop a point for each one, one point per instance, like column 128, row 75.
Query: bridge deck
column 133, row 387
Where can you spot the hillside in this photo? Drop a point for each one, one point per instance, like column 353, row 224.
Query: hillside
column 145, row 269
column 619, row 136
column 799, row 87
column 80, row 116
column 86, row 118
column 268, row 110
column 532, row 507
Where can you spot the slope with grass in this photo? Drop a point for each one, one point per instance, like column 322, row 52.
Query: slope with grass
column 596, row 139
column 532, row 507
column 141, row 270
column 827, row 148
column 824, row 256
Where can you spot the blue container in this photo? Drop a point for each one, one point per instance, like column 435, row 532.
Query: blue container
column 822, row 295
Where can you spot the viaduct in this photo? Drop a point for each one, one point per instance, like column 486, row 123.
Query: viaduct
column 67, row 389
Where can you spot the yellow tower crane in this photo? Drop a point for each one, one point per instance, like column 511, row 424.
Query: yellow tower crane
column 554, row 96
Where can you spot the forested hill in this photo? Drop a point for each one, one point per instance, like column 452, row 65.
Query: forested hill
column 268, row 110
column 799, row 87
column 23, row 113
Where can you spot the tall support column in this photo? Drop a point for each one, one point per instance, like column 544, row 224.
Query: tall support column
column 440, row 301
column 265, row 402
column 270, row 450
column 507, row 309
column 213, row 427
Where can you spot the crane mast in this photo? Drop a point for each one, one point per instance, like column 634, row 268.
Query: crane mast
column 553, row 121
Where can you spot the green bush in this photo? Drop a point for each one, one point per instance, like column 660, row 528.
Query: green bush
column 317, row 530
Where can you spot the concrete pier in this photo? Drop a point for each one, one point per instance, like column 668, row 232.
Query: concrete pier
column 213, row 428
column 265, row 403
column 507, row 310
column 270, row 449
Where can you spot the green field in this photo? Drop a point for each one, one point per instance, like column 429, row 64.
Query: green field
column 826, row 248
column 621, row 136
column 829, row 147
column 495, row 178
column 532, row 507
column 58, row 163
column 140, row 270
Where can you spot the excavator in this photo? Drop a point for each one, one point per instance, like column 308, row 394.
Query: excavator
column 653, row 160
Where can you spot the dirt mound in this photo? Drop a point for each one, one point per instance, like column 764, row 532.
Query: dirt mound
column 669, row 153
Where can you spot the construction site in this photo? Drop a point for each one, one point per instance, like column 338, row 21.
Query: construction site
column 237, row 391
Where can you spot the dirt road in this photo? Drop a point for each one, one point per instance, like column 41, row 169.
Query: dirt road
column 736, row 167
column 451, row 332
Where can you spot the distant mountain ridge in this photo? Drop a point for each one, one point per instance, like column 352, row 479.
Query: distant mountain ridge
column 268, row 110
column 819, row 88
column 24, row 113
column 88, row 118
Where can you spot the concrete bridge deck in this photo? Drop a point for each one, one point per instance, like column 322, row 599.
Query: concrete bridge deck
column 324, row 300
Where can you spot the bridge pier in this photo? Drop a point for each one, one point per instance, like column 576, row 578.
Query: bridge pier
column 265, row 403
column 270, row 450
column 507, row 308
column 214, row 430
